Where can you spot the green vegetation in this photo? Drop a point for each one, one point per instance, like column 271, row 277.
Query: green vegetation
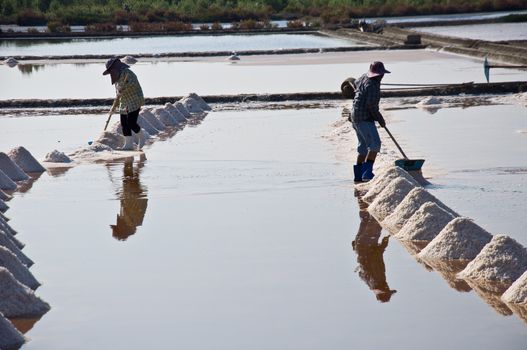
column 175, row 13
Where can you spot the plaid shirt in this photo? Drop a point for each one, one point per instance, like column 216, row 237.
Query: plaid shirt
column 129, row 92
column 366, row 101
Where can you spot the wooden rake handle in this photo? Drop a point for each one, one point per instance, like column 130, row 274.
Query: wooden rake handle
column 393, row 139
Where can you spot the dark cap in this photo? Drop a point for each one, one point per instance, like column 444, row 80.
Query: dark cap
column 376, row 69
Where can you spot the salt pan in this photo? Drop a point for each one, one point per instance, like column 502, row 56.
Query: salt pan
column 25, row 160
column 425, row 224
column 182, row 109
column 386, row 202
column 411, row 203
column 20, row 271
column 151, row 118
column 7, row 242
column 6, row 183
column 191, row 105
column 164, row 117
column 17, row 300
column 460, row 239
column 382, row 179
column 502, row 260
column 10, row 337
column 57, row 157
column 3, row 207
column 202, row 104
column 11, row 169
column 517, row 292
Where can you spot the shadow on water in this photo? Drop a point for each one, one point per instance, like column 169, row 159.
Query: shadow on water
column 370, row 252
column 133, row 198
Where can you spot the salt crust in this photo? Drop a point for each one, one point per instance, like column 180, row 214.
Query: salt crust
column 202, row 104
column 19, row 270
column 17, row 300
column 383, row 178
column 3, row 207
column 425, row 224
column 502, row 260
column 182, row 109
column 11, row 169
column 151, row 118
column 10, row 337
column 517, row 292
column 410, row 204
column 460, row 239
column 145, row 124
column 164, row 117
column 180, row 118
column 393, row 194
column 110, row 139
column 6, row 183
column 56, row 156
column 8, row 242
column 25, row 160
column 191, row 104
column 4, row 196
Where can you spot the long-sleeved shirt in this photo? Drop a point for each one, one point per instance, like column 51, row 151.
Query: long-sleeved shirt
column 129, row 92
column 366, row 101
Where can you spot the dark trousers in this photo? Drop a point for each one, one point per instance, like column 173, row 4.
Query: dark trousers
column 129, row 123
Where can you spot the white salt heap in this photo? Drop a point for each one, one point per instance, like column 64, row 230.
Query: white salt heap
column 393, row 194
column 164, row 117
column 202, row 104
column 129, row 60
column 151, row 118
column 3, row 206
column 4, row 226
column 8, row 243
column 4, row 196
column 25, row 160
column 17, row 300
column 191, row 105
column 382, row 179
column 6, row 183
column 460, row 239
column 10, row 237
column 430, row 101
column 20, row 271
column 90, row 151
column 170, row 108
column 517, row 292
column 11, row 169
column 182, row 109
column 57, row 157
column 411, row 203
column 110, row 139
column 10, row 337
column 502, row 260
column 425, row 224
column 146, row 126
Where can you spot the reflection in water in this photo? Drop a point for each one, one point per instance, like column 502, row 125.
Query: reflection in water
column 370, row 254
column 25, row 186
column 28, row 69
column 449, row 270
column 491, row 293
column 24, row 325
column 132, row 195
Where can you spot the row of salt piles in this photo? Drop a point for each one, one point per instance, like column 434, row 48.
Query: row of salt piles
column 17, row 283
column 449, row 242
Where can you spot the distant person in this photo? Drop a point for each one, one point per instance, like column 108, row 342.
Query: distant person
column 364, row 114
column 129, row 100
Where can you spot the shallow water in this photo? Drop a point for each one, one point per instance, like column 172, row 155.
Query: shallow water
column 242, row 240
column 440, row 18
column 254, row 74
column 167, row 44
column 489, row 31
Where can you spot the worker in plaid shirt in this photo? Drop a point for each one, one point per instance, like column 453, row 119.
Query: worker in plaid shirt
column 364, row 114
column 128, row 101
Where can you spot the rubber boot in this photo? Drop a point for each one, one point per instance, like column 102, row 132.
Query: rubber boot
column 140, row 140
column 128, row 143
column 357, row 171
column 367, row 173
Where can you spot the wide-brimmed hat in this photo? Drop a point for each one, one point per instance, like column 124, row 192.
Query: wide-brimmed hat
column 376, row 69
column 114, row 63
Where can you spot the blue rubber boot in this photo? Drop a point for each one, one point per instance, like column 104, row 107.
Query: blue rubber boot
column 367, row 173
column 357, row 171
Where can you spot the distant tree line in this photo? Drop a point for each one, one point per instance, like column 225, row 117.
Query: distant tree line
column 118, row 12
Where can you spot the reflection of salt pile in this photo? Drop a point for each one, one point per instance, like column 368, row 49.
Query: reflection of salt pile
column 491, row 296
column 393, row 194
column 502, row 260
column 449, row 269
column 6, row 183
column 17, row 300
column 11, row 169
column 25, row 160
column 382, row 179
column 460, row 239
column 57, row 157
column 517, row 292
column 10, row 337
column 425, row 224
column 20, row 271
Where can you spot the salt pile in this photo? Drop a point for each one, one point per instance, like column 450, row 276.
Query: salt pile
column 25, row 160
column 4, row 196
column 425, row 224
column 8, row 243
column 6, row 183
column 129, row 60
column 10, row 337
column 110, row 139
column 151, row 118
column 57, row 157
column 175, row 112
column 89, row 151
column 191, row 105
column 146, row 126
column 502, row 260
column 411, row 203
column 11, row 169
column 382, row 179
column 10, row 237
column 11, row 62
column 430, row 101
column 20, row 271
column 182, row 109
column 3, row 206
column 460, row 239
column 517, row 292
column 202, row 104
column 392, row 195
column 4, row 226
column 17, row 300
column 164, row 117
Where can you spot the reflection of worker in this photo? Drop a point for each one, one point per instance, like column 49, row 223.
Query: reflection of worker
column 363, row 117
column 133, row 202
column 370, row 255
